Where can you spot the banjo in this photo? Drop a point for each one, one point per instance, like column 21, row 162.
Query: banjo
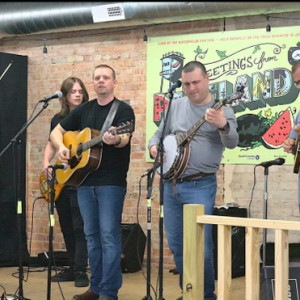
column 177, row 148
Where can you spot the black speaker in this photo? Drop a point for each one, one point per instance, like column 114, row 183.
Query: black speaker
column 294, row 253
column 238, row 240
column 267, row 281
column 133, row 247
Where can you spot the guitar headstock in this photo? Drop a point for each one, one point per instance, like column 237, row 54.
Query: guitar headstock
column 235, row 96
column 126, row 127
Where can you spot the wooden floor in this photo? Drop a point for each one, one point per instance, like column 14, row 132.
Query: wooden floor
column 134, row 287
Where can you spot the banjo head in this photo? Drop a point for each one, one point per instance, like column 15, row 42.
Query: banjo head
column 170, row 155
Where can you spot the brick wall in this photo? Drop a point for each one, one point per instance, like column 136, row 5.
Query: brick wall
column 76, row 53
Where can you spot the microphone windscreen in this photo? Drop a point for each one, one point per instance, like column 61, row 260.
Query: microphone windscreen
column 59, row 94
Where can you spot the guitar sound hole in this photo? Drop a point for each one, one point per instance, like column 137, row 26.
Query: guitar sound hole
column 79, row 150
column 74, row 161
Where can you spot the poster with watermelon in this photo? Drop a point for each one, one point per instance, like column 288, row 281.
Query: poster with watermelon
column 259, row 60
column 257, row 130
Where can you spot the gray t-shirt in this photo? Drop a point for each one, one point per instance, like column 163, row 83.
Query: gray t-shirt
column 208, row 143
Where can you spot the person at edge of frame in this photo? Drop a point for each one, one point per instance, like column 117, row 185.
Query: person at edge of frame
column 291, row 143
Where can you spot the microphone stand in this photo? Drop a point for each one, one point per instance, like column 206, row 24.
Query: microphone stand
column 161, row 189
column 150, row 178
column 51, row 226
column 265, row 215
column 17, row 187
column 19, row 207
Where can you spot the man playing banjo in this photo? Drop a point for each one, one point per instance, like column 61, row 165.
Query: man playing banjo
column 196, row 181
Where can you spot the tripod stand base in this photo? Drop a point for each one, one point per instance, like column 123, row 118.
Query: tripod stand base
column 147, row 298
column 5, row 296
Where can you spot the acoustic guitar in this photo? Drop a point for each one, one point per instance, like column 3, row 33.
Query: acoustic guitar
column 85, row 153
column 46, row 190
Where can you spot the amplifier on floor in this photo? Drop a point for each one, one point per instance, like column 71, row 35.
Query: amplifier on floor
column 267, row 288
column 133, row 247
column 238, row 240
column 294, row 253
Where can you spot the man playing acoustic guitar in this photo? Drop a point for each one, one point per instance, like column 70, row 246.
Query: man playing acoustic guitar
column 291, row 145
column 73, row 94
column 198, row 182
column 102, row 191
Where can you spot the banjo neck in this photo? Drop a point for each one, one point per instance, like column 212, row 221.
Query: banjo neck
column 185, row 137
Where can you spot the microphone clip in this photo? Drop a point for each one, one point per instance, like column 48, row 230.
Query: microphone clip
column 148, row 172
column 176, row 85
column 151, row 170
column 45, row 100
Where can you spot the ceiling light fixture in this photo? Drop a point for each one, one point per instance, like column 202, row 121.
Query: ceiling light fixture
column 145, row 38
column 268, row 27
column 45, row 50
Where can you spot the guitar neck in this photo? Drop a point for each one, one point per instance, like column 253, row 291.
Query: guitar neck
column 96, row 140
column 192, row 131
column 93, row 142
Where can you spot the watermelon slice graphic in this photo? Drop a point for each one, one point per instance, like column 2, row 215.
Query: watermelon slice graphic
column 279, row 131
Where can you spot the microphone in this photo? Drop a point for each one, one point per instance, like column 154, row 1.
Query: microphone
column 62, row 167
column 58, row 94
column 279, row 161
column 174, row 86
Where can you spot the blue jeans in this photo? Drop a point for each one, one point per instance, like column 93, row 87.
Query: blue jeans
column 202, row 191
column 101, row 208
column 71, row 224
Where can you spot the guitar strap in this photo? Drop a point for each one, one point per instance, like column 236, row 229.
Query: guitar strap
column 110, row 117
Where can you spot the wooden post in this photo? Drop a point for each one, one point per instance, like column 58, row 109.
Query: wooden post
column 224, row 262
column 252, row 264
column 282, row 264
column 193, row 253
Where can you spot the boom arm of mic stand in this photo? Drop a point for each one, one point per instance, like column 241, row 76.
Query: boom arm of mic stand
column 24, row 127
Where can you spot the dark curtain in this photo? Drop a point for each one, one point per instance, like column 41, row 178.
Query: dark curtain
column 13, row 115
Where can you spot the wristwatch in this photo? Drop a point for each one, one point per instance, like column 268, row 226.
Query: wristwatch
column 225, row 129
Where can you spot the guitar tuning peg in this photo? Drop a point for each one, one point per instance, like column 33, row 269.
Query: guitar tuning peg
column 240, row 87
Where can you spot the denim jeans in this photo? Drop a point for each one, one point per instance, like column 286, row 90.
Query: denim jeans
column 202, row 191
column 71, row 224
column 101, row 208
